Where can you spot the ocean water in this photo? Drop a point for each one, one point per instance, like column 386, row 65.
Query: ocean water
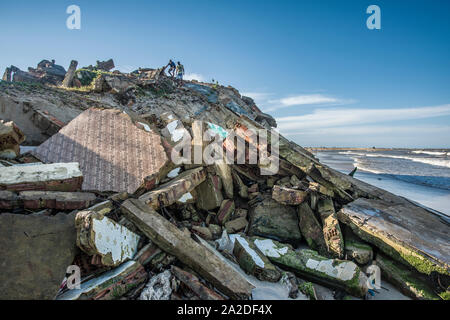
column 420, row 175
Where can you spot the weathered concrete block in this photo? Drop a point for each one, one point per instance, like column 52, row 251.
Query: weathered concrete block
column 9, row 200
column 193, row 283
column 35, row 251
column 171, row 191
column 56, row 200
column 236, row 225
column 147, row 253
column 224, row 172
column 225, row 211
column 309, row 264
column 109, row 285
column 51, row 177
column 407, row 233
column 311, row 229
column 331, row 229
column 99, row 235
column 409, row 282
column 10, row 139
column 68, row 78
column 288, row 196
column 203, row 232
column 169, row 238
column 360, row 252
column 252, row 261
column 273, row 220
column 209, row 193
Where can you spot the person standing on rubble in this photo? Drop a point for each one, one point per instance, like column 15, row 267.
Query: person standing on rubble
column 172, row 66
column 180, row 73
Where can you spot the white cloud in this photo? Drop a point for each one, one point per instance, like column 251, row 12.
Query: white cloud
column 306, row 99
column 194, row 76
column 325, row 118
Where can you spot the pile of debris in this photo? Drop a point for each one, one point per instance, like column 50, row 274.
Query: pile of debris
column 105, row 196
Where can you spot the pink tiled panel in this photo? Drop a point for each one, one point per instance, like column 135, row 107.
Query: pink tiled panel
column 114, row 154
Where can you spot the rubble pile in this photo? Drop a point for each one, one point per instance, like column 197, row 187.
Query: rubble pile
column 124, row 191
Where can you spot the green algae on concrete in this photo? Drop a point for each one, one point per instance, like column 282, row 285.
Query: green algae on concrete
column 406, row 233
column 252, row 261
column 309, row 264
column 270, row 219
column 410, row 282
column 311, row 229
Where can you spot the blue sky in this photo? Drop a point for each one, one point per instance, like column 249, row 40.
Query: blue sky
column 313, row 65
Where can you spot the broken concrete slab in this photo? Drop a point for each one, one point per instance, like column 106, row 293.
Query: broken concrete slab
column 68, row 78
column 107, row 158
column 170, row 239
column 102, row 236
column 236, row 225
column 357, row 251
column 252, row 261
column 226, row 211
column 409, row 282
column 56, row 200
column 170, row 192
column 309, row 264
column 243, row 189
column 271, row 219
column 407, row 233
column 147, row 253
column 9, row 200
column 331, row 229
column 109, row 285
column 105, row 65
column 193, row 283
column 35, row 251
column 224, row 172
column 203, row 232
column 311, row 229
column 209, row 193
column 288, row 196
column 50, row 177
column 10, row 139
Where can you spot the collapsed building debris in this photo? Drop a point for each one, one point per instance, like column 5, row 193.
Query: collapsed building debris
column 173, row 241
column 142, row 216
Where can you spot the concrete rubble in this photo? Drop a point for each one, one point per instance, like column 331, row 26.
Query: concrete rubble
column 10, row 139
column 99, row 190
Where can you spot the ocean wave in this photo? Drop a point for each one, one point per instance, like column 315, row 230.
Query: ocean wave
column 430, row 181
column 433, row 153
column 431, row 161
